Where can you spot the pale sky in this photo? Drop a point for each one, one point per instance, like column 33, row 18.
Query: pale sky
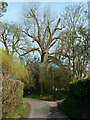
column 14, row 9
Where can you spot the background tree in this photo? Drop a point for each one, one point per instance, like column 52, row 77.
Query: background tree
column 33, row 67
column 57, row 79
column 3, row 6
column 43, row 34
column 75, row 40
column 12, row 38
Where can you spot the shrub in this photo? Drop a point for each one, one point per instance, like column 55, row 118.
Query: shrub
column 12, row 94
column 13, row 66
column 60, row 94
column 80, row 87
column 76, row 108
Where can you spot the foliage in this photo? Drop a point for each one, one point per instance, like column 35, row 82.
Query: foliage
column 77, row 104
column 80, row 87
column 43, row 97
column 12, row 94
column 56, row 95
column 60, row 94
column 3, row 6
column 76, row 108
column 19, row 112
column 13, row 66
column 41, row 32
column 33, row 84
column 34, row 71
column 53, row 78
column 57, row 78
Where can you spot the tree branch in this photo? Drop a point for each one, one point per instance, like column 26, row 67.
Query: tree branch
column 53, row 43
column 28, row 51
column 34, row 39
column 44, row 34
column 34, row 16
column 54, row 53
column 58, row 29
column 55, row 27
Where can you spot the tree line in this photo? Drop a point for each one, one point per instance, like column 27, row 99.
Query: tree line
column 61, row 44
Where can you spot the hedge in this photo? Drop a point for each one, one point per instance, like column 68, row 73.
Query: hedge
column 0, row 95
column 12, row 94
column 80, row 87
column 13, row 66
column 60, row 94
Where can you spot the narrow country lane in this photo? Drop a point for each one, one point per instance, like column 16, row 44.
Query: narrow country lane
column 39, row 109
column 44, row 109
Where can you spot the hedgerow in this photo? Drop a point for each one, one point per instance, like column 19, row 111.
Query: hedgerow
column 13, row 66
column 80, row 87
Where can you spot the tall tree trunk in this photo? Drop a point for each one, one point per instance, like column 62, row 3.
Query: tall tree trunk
column 69, row 65
column 73, row 63
column 43, row 71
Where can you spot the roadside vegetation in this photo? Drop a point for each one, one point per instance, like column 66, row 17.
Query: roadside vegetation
column 13, row 67
column 49, row 55
column 62, row 94
column 13, row 71
column 77, row 104
column 19, row 112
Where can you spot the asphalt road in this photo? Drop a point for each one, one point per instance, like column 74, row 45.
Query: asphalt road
column 44, row 109
column 39, row 109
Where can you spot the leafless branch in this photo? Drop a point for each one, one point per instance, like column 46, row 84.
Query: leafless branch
column 28, row 51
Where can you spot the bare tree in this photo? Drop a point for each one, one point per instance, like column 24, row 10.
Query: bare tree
column 75, row 39
column 41, row 32
column 44, row 32
column 11, row 38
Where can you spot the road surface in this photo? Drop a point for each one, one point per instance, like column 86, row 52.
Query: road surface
column 44, row 109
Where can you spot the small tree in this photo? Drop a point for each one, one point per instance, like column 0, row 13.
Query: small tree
column 33, row 68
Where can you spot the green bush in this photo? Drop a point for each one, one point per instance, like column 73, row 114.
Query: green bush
column 76, row 108
column 13, row 66
column 12, row 94
column 80, row 87
column 60, row 94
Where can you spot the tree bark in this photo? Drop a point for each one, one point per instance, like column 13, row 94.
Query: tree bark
column 43, row 70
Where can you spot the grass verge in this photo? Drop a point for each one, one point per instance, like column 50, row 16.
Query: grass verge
column 57, row 95
column 46, row 98
column 76, row 108
column 19, row 112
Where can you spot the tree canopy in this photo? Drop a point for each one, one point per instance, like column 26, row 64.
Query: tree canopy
column 3, row 8
column 59, row 42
